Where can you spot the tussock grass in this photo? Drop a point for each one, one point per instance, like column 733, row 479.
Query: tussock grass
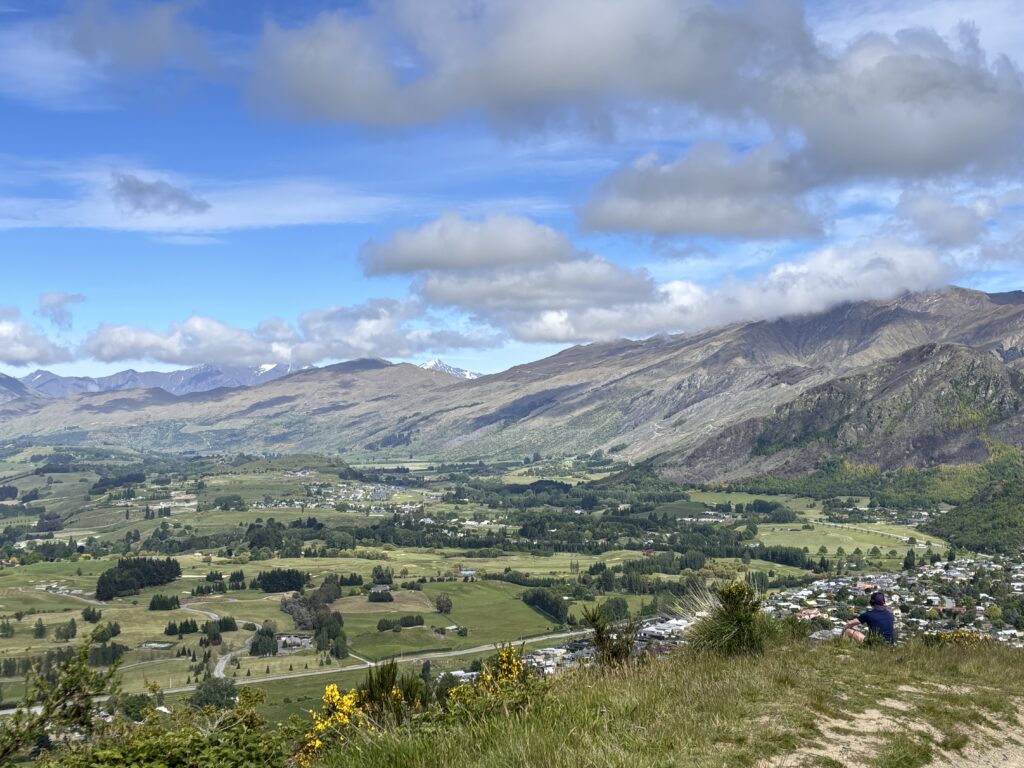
column 700, row 710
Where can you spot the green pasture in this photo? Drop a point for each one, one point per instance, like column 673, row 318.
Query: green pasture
column 796, row 503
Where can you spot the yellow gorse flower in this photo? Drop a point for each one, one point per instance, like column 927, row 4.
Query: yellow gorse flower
column 340, row 711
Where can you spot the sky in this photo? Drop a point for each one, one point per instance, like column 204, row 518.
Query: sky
column 487, row 181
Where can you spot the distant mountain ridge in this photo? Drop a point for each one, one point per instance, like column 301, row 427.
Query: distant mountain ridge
column 919, row 379
column 189, row 381
column 202, row 378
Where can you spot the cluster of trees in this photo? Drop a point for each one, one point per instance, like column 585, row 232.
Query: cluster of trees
column 313, row 612
column 992, row 522
column 164, row 603
column 547, row 602
column 105, row 484
column 91, row 614
column 185, row 627
column 132, row 574
column 281, row 580
column 109, row 630
column 66, row 631
column 206, row 588
column 387, row 624
column 264, row 642
column 380, row 596
column 8, row 493
column 49, row 522
column 904, row 488
column 230, row 502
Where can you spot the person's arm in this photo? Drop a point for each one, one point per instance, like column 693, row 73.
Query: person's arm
column 852, row 623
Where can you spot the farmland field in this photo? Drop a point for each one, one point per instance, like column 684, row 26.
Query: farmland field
column 509, row 530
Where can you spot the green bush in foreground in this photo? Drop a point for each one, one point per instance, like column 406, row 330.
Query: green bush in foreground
column 60, row 702
column 736, row 625
column 191, row 738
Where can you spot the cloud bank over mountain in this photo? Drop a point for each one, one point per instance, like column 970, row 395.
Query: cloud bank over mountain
column 478, row 176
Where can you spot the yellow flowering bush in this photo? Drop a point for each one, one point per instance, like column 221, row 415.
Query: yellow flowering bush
column 383, row 700
column 341, row 715
column 503, row 684
column 961, row 638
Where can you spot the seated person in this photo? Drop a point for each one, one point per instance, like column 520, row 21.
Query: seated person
column 877, row 619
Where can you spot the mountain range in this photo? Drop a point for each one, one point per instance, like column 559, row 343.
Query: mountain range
column 920, row 379
column 201, row 378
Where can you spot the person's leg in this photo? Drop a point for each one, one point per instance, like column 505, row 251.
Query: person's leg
column 853, row 634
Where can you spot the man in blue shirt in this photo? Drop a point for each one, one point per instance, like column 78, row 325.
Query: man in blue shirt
column 877, row 619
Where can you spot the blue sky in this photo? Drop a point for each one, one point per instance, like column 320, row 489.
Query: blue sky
column 487, row 182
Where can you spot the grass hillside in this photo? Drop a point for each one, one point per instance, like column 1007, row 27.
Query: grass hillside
column 823, row 706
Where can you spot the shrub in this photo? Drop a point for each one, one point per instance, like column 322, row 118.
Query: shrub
column 614, row 647
column 736, row 625
column 960, row 638
column 57, row 702
column 216, row 692
column 236, row 737
column 504, row 684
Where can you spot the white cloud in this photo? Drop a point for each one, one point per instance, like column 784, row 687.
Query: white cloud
column 453, row 242
column 587, row 301
column 913, row 105
column 578, row 283
column 54, row 307
column 708, row 191
column 378, row 328
column 410, row 62
column 907, row 103
column 22, row 344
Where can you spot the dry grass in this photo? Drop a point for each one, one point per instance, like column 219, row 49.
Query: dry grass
column 830, row 705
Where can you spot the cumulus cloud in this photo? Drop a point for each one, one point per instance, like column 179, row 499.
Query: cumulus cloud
column 710, row 190
column 578, row 283
column 54, row 306
column 453, row 242
column 410, row 62
column 22, row 344
column 912, row 104
column 588, row 300
column 908, row 103
column 378, row 328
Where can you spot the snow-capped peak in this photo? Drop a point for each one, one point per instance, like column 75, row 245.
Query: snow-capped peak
column 442, row 367
column 266, row 368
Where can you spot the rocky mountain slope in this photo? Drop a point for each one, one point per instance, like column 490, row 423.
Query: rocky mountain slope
column 201, row 378
column 710, row 404
column 12, row 389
